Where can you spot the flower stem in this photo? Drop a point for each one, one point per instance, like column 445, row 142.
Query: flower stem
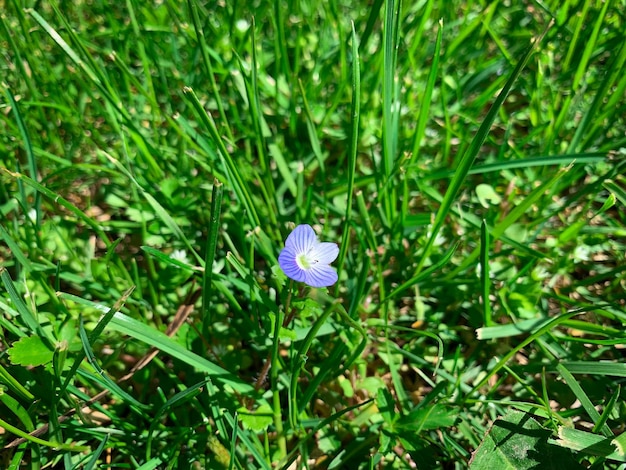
column 268, row 362
column 278, row 416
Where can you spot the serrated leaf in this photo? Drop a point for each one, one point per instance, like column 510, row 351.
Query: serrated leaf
column 30, row 351
column 257, row 420
column 517, row 441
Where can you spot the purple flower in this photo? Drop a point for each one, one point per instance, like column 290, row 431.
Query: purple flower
column 306, row 259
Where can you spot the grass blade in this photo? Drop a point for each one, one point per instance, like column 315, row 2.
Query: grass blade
column 472, row 152
column 354, row 143
column 209, row 255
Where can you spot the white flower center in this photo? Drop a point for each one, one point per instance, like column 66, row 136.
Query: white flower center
column 305, row 261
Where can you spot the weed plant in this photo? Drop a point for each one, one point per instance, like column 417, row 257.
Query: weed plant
column 467, row 157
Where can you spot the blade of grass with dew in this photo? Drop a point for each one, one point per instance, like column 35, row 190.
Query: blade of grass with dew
column 471, row 153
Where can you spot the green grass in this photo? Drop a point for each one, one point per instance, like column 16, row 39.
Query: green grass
column 468, row 157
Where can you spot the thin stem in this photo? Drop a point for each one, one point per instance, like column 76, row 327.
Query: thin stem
column 268, row 362
column 278, row 416
column 290, row 314
column 294, row 411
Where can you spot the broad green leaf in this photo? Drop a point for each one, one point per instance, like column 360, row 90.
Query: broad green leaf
column 30, row 351
column 516, row 441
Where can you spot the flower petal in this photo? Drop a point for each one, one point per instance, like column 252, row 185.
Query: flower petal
column 325, row 253
column 321, row 275
column 287, row 262
column 301, row 239
column 306, row 259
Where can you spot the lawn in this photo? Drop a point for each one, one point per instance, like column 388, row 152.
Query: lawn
column 462, row 163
